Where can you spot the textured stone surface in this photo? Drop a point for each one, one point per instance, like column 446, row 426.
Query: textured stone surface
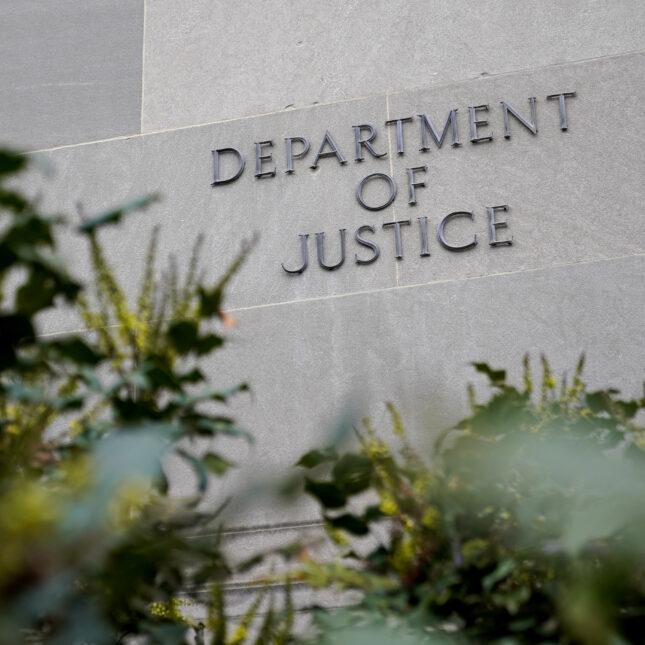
column 71, row 70
column 322, row 349
column 573, row 196
column 178, row 166
column 314, row 363
column 206, row 61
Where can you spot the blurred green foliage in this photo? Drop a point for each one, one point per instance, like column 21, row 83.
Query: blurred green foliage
column 525, row 525
column 92, row 548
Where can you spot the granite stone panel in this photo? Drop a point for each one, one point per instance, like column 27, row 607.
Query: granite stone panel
column 206, row 61
column 572, row 195
column 318, row 366
column 71, row 71
column 178, row 166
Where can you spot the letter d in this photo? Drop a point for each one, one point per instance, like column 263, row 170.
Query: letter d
column 240, row 170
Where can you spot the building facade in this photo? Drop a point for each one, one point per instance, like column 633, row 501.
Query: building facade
column 430, row 184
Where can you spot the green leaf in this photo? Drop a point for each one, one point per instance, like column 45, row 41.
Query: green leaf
column 353, row 473
column 628, row 409
column 373, row 513
column 350, row 523
column 216, row 464
column 164, row 633
column 183, row 335
column 503, row 570
column 7, row 256
column 208, row 343
column 193, row 376
column 159, row 377
column 598, row 401
column 210, row 301
column 67, row 402
column 28, row 233
column 114, row 216
column 21, row 392
column 12, row 201
column 78, row 351
column 199, row 467
column 14, row 328
column 329, row 495
column 89, row 377
column 497, row 377
column 37, row 293
column 316, row 457
column 11, row 162
column 138, row 378
column 250, row 563
column 208, row 394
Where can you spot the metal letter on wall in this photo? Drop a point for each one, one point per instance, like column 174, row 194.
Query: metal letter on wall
column 563, row 107
column 423, row 226
column 290, row 154
column 412, row 196
column 376, row 175
column 397, row 236
column 426, row 125
column 400, row 148
column 240, row 157
column 493, row 225
column 260, row 159
column 529, row 125
column 320, row 238
column 334, row 151
column 305, row 256
column 475, row 123
column 365, row 142
column 442, row 237
column 367, row 243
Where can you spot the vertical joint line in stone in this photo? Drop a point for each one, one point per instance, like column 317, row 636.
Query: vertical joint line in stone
column 143, row 63
column 389, row 148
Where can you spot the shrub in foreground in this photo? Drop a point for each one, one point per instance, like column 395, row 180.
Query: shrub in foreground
column 92, row 548
column 524, row 526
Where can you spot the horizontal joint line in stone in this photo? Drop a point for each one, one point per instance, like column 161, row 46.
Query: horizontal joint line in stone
column 136, row 135
column 263, row 528
column 502, row 274
column 436, row 282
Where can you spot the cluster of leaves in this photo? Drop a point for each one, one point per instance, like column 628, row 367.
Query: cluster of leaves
column 273, row 628
column 524, row 527
column 90, row 541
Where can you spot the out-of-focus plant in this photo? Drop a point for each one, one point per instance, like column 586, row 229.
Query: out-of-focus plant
column 524, row 526
column 91, row 546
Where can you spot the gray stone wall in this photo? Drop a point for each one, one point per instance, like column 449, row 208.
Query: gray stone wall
column 127, row 98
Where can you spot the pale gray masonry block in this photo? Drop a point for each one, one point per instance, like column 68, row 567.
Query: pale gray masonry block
column 311, row 364
column 178, row 165
column 572, row 196
column 70, row 72
column 206, row 61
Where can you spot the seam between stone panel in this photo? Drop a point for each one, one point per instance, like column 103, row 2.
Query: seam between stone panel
column 437, row 282
column 261, row 528
column 521, row 70
column 143, row 64
column 125, row 137
column 390, row 153
column 416, row 285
